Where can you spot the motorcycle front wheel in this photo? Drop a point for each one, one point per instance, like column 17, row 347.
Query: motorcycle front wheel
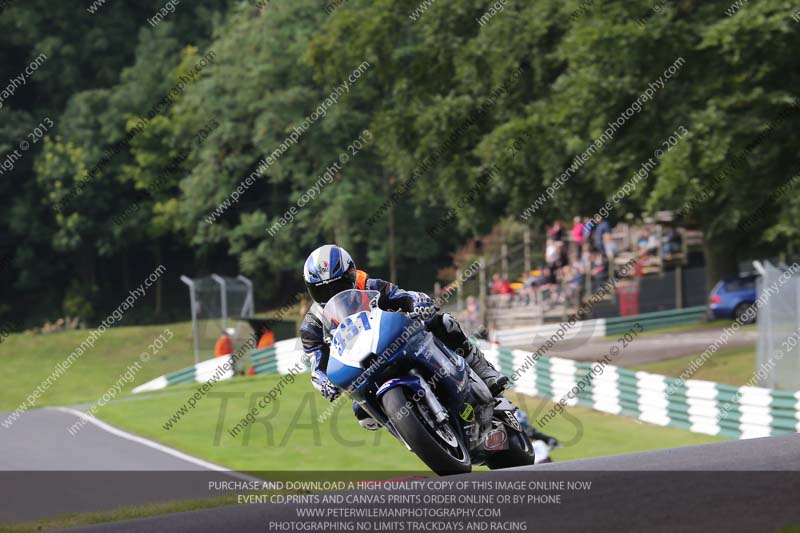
column 439, row 446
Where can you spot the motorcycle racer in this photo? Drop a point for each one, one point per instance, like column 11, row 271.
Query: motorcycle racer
column 330, row 270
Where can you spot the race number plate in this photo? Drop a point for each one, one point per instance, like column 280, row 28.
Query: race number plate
column 349, row 329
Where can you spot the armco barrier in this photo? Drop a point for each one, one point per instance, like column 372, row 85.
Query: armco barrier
column 601, row 327
column 199, row 373
column 699, row 406
column 277, row 359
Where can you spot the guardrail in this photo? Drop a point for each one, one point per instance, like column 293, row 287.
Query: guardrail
column 198, row 373
column 696, row 405
column 277, row 359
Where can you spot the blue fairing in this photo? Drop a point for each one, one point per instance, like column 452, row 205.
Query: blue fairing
column 410, row 382
column 392, row 328
column 342, row 375
column 377, row 350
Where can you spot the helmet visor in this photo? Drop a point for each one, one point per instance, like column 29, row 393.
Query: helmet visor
column 322, row 292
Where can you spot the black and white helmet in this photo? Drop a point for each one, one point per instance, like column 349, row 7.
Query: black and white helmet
column 328, row 271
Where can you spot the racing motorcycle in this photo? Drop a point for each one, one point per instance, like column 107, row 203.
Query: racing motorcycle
column 418, row 389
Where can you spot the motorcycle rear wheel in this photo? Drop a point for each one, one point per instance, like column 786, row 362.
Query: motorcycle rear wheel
column 520, row 452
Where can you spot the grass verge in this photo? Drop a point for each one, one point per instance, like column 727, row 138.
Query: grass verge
column 29, row 359
column 731, row 366
column 688, row 328
column 287, row 435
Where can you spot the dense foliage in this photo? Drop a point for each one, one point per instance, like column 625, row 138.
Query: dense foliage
column 155, row 127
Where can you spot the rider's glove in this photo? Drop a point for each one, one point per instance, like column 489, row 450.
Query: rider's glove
column 324, row 386
column 424, row 307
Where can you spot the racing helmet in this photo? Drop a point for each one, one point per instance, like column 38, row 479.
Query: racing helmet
column 328, row 271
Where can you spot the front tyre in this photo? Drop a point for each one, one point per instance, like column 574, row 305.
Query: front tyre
column 441, row 448
column 519, row 453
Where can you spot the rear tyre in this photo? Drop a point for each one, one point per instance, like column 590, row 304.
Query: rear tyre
column 442, row 449
column 519, row 453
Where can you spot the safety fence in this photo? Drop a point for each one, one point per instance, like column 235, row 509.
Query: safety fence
column 699, row 406
column 197, row 373
column 602, row 327
column 277, row 359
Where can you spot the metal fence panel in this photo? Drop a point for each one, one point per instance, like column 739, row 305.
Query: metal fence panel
column 778, row 360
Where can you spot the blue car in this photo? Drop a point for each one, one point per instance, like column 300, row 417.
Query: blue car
column 731, row 297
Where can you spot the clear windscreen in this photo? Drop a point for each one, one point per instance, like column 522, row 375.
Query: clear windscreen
column 345, row 304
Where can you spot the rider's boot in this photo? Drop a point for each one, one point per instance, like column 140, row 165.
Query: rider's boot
column 447, row 328
column 364, row 419
column 496, row 381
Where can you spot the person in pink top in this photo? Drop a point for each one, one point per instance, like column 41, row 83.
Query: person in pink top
column 577, row 231
column 576, row 241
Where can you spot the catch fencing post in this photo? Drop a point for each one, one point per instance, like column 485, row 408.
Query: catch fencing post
column 482, row 291
column 504, row 259
column 193, row 302
column 223, row 298
column 460, row 291
column 527, row 249
column 248, row 309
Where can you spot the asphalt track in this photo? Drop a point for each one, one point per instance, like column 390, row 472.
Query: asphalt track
column 645, row 348
column 45, row 471
column 751, row 485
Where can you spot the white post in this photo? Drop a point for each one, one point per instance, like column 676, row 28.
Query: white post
column 482, row 293
column 504, row 259
column 460, row 291
column 249, row 308
column 193, row 302
column 223, row 299
column 527, row 252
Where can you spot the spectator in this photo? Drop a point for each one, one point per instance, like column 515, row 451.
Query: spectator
column 563, row 259
column 599, row 269
column 576, row 239
column 588, row 229
column 673, row 243
column 473, row 316
column 601, row 229
column 641, row 241
column 652, row 244
column 505, row 287
column 539, row 282
column 507, row 291
column 551, row 282
column 528, row 287
column 551, row 254
column 556, row 231
column 647, row 243
column 609, row 247
column 577, row 231
column 574, row 281
column 497, row 283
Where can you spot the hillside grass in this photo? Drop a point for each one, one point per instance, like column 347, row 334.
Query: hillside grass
column 730, row 366
column 29, row 359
